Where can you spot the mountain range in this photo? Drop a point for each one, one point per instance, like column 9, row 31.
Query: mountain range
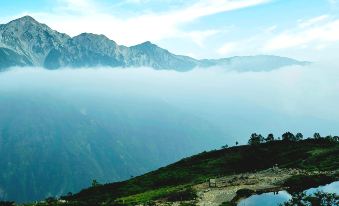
column 26, row 42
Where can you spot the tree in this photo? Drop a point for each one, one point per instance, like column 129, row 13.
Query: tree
column 261, row 138
column 326, row 199
column 95, row 183
column 297, row 199
column 332, row 138
column 299, row 136
column 225, row 146
column 329, row 137
column 255, row 139
column 288, row 136
column 316, row 136
column 270, row 138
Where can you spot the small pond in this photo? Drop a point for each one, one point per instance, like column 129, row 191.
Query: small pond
column 271, row 198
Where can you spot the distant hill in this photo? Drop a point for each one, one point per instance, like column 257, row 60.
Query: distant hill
column 49, row 146
column 310, row 154
column 26, row 42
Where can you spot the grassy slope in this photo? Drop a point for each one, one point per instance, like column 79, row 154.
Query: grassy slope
column 307, row 154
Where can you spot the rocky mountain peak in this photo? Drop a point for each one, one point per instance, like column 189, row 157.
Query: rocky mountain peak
column 93, row 38
column 26, row 18
column 25, row 23
column 32, row 43
column 147, row 45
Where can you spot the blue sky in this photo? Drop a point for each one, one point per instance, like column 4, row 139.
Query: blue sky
column 304, row 29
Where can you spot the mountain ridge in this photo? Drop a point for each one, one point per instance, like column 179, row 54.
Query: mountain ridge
column 57, row 146
column 26, row 42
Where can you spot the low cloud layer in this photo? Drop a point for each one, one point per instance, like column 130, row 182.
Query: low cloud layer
column 299, row 99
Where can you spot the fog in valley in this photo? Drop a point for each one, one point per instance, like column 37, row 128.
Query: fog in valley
column 297, row 99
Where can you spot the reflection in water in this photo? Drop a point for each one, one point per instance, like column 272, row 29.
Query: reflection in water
column 266, row 199
column 271, row 198
column 330, row 188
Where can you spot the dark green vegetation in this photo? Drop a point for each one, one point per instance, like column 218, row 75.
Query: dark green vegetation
column 240, row 194
column 50, row 147
column 7, row 203
column 245, row 192
column 317, row 199
column 256, row 139
column 182, row 195
column 302, row 182
column 310, row 154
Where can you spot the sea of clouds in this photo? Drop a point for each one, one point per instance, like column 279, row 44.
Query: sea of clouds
column 297, row 99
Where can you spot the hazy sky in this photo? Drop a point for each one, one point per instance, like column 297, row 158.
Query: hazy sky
column 301, row 29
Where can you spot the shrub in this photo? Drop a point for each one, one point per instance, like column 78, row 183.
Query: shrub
column 299, row 183
column 6, row 203
column 182, row 195
column 245, row 192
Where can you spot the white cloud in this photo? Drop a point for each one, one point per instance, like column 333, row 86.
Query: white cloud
column 80, row 6
column 136, row 1
column 310, row 33
column 227, row 48
column 76, row 16
column 271, row 29
column 199, row 37
column 312, row 21
column 333, row 2
column 313, row 39
column 209, row 7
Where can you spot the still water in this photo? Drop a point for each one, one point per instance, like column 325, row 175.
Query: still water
column 271, row 199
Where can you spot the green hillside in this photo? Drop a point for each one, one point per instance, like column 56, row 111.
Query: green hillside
column 310, row 154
